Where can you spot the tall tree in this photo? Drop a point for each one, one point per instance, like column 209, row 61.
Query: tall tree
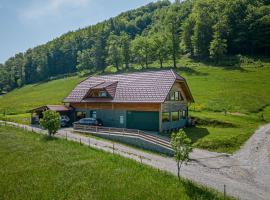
column 160, row 48
column 187, row 32
column 85, row 60
column 115, row 56
column 125, row 48
column 142, row 50
column 172, row 22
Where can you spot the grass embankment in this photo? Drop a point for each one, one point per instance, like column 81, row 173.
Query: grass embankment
column 240, row 87
column 34, row 167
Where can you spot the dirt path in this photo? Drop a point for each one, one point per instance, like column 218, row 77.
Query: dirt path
column 246, row 174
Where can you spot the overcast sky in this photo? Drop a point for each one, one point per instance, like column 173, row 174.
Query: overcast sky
column 27, row 23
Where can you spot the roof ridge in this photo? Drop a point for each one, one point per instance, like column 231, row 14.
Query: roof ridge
column 173, row 72
column 135, row 72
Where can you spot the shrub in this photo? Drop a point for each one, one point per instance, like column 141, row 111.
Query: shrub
column 50, row 121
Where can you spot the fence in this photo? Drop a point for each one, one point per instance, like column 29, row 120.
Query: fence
column 111, row 147
column 124, row 132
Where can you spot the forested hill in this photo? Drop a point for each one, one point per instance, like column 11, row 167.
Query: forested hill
column 158, row 32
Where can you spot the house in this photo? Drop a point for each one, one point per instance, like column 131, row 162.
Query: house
column 153, row 101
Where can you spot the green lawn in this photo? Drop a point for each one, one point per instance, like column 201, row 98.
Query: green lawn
column 217, row 132
column 35, row 167
column 241, row 88
column 31, row 96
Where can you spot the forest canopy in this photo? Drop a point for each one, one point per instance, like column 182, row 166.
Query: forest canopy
column 157, row 32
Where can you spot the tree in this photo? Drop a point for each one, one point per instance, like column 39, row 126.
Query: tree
column 218, row 48
column 202, row 33
column 187, row 32
column 172, row 22
column 160, row 47
column 114, row 51
column 50, row 121
column 181, row 145
column 85, row 60
column 142, row 50
column 125, row 47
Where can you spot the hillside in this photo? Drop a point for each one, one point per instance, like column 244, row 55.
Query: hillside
column 242, row 91
column 156, row 33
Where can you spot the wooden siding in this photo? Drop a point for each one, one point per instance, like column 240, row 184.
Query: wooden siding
column 118, row 106
column 170, row 106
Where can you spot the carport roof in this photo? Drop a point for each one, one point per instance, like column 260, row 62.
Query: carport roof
column 57, row 108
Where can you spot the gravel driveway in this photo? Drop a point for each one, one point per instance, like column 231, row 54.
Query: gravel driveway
column 246, row 173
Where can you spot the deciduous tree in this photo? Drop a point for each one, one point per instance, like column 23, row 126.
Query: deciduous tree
column 181, row 145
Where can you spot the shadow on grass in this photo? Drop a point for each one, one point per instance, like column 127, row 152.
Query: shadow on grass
column 191, row 71
column 47, row 138
column 200, row 192
column 196, row 133
column 227, row 63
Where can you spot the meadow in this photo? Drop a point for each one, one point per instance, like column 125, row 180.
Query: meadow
column 231, row 99
column 35, row 167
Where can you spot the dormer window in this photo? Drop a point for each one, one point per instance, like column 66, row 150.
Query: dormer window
column 102, row 94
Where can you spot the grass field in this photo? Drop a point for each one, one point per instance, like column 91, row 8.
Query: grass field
column 241, row 88
column 31, row 96
column 35, row 167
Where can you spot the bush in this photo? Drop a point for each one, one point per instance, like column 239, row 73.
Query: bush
column 50, row 121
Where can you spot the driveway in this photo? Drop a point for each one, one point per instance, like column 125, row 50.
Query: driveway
column 246, row 173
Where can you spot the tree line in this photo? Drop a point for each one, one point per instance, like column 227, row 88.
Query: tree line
column 157, row 32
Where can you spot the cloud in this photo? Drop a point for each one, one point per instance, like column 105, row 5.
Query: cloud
column 38, row 9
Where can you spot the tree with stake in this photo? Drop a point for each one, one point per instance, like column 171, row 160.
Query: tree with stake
column 50, row 121
column 181, row 145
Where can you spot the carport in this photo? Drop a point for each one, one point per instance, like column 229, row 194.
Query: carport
column 36, row 113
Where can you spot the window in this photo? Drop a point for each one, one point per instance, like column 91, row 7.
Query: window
column 121, row 119
column 176, row 95
column 80, row 115
column 165, row 117
column 102, row 94
column 175, row 116
column 172, row 96
column 93, row 114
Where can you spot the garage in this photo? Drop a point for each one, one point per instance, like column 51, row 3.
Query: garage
column 143, row 120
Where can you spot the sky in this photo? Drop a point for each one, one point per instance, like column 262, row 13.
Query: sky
column 27, row 23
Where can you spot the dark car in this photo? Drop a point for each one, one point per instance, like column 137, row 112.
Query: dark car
column 90, row 122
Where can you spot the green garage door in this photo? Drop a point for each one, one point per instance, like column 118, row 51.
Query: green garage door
column 143, row 120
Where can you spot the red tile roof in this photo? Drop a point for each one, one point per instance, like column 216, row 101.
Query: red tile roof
column 141, row 87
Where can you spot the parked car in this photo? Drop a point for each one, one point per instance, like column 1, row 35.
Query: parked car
column 64, row 120
column 90, row 122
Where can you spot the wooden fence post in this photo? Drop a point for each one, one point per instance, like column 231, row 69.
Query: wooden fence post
column 113, row 148
column 66, row 135
column 224, row 190
column 140, row 158
column 80, row 141
column 89, row 142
